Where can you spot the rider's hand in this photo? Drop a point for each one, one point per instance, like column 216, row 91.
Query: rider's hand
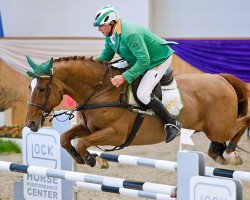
column 117, row 80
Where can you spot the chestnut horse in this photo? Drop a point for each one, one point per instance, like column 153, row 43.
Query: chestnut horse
column 214, row 104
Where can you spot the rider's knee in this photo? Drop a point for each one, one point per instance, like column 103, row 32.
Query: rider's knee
column 143, row 96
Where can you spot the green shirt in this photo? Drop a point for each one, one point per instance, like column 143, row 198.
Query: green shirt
column 141, row 48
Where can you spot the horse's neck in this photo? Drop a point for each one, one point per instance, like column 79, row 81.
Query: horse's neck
column 80, row 78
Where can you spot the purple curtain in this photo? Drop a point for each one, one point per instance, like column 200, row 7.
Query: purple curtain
column 217, row 56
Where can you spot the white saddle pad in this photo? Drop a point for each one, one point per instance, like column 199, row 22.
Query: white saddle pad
column 171, row 99
column 121, row 64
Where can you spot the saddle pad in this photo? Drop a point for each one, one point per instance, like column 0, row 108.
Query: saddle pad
column 121, row 64
column 171, row 99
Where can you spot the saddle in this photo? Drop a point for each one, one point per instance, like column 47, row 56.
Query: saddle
column 157, row 91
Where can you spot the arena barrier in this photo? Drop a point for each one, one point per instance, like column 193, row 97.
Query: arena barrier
column 95, row 182
column 170, row 165
column 190, row 176
column 125, row 191
column 138, row 161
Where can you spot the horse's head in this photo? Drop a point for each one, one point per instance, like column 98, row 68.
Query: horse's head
column 45, row 94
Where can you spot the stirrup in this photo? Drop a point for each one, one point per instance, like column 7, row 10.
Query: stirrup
column 173, row 125
column 174, row 132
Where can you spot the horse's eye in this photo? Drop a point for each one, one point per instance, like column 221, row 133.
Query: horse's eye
column 42, row 89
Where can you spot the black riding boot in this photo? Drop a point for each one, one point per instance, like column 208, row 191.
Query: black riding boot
column 172, row 126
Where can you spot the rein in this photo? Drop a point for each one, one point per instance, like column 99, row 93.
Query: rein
column 120, row 103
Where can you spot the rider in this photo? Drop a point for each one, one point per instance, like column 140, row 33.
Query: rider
column 148, row 54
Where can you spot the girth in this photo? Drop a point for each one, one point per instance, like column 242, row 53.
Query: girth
column 136, row 126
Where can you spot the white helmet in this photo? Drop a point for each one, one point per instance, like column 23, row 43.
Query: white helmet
column 105, row 15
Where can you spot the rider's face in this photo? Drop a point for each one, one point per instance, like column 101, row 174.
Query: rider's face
column 105, row 29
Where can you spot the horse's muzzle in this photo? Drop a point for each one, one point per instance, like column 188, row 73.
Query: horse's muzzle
column 32, row 125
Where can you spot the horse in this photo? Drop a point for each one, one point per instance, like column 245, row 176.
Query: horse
column 215, row 104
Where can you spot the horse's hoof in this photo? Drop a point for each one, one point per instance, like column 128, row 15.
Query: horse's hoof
column 102, row 163
column 91, row 163
column 239, row 161
column 90, row 159
column 219, row 159
column 232, row 158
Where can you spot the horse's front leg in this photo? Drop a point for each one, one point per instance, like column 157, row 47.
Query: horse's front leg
column 106, row 136
column 77, row 131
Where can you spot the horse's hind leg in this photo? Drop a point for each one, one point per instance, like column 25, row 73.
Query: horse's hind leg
column 216, row 150
column 229, row 154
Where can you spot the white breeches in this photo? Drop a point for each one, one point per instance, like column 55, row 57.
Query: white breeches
column 150, row 80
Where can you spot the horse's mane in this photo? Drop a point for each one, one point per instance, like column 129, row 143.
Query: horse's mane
column 80, row 58
column 84, row 58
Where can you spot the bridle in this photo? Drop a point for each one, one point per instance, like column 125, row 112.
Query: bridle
column 43, row 107
column 79, row 107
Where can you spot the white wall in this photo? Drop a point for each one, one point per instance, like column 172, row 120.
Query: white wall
column 168, row 18
column 202, row 18
column 64, row 18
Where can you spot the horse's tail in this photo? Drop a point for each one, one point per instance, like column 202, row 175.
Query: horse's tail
column 242, row 92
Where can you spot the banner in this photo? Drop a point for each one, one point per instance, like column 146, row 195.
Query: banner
column 217, row 56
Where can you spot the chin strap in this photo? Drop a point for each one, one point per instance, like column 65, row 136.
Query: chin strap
column 112, row 26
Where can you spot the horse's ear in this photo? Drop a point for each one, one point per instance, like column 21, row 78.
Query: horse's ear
column 48, row 66
column 31, row 62
column 32, row 74
column 39, row 70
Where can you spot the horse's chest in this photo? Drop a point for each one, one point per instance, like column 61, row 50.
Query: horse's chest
column 101, row 118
